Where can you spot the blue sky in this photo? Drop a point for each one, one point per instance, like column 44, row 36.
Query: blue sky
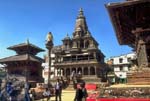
column 33, row 19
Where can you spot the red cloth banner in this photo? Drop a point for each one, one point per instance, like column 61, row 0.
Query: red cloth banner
column 118, row 99
column 90, row 86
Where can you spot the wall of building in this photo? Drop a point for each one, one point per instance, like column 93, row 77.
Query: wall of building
column 122, row 65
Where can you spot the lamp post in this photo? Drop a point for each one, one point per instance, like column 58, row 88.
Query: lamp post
column 49, row 45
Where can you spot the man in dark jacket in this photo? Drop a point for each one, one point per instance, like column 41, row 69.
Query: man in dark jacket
column 58, row 90
column 85, row 94
column 79, row 93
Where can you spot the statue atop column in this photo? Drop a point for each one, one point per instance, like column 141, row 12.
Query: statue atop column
column 49, row 37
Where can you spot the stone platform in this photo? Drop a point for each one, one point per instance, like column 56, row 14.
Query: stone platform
column 127, row 91
column 141, row 77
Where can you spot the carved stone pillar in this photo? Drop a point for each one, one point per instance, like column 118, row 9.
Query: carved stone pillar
column 88, row 70
column 94, row 55
column 64, row 72
column 76, row 69
column 70, row 71
column 142, row 42
column 84, row 43
column 82, row 70
column 79, row 43
column 95, row 70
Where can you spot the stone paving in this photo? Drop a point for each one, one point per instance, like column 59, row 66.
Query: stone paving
column 66, row 96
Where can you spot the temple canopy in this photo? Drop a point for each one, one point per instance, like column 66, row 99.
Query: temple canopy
column 127, row 17
column 18, row 58
column 26, row 48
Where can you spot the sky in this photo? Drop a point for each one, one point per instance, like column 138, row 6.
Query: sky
column 33, row 19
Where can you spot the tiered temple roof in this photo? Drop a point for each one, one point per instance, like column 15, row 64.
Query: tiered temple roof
column 127, row 16
column 25, row 52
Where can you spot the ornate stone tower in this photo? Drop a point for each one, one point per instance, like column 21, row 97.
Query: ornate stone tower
column 82, row 38
column 79, row 53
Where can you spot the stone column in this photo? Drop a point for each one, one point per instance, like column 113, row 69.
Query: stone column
column 70, row 70
column 88, row 70
column 76, row 70
column 61, row 72
column 49, row 45
column 94, row 55
column 88, row 57
column 84, row 43
column 95, row 71
column 64, row 72
column 82, row 70
column 76, row 58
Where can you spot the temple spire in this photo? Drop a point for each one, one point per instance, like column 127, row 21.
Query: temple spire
column 81, row 25
column 81, row 15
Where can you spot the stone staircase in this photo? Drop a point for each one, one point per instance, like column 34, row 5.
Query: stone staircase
column 87, row 80
column 91, row 79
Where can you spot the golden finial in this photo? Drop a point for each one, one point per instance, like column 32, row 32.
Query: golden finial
column 81, row 12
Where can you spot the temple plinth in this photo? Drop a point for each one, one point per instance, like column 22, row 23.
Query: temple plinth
column 131, row 22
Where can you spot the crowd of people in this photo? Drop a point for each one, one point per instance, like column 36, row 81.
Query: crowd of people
column 80, row 94
column 55, row 91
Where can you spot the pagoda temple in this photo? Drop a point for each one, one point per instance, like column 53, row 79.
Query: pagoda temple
column 79, row 54
column 131, row 21
column 25, row 64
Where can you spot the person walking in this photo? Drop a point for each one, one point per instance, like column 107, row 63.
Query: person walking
column 9, row 89
column 58, row 90
column 79, row 93
column 72, row 75
column 27, row 87
column 85, row 94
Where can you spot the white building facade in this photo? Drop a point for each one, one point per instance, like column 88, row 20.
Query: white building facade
column 121, row 66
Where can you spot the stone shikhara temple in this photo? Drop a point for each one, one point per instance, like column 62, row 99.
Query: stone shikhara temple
column 131, row 21
column 79, row 53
